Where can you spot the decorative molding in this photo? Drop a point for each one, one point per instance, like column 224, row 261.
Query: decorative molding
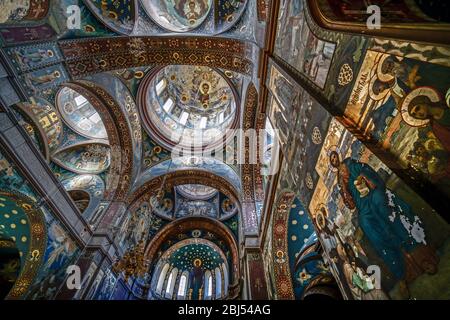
column 279, row 231
column 89, row 56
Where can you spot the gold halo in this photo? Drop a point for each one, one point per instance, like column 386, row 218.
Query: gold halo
column 202, row 84
column 138, row 74
column 198, row 261
column 157, row 149
column 320, row 214
column 229, row 74
column 329, row 151
column 383, row 77
column 112, row 15
column 88, row 28
column 373, row 96
column 432, row 94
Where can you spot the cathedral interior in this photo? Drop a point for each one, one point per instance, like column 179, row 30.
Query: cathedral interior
column 224, row 150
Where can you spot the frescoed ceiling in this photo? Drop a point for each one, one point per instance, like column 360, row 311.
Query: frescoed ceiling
column 207, row 256
column 191, row 15
column 187, row 103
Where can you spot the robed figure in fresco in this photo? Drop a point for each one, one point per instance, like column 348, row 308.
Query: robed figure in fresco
column 388, row 223
column 196, row 280
column 421, row 108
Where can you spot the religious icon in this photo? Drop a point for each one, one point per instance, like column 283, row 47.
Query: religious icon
column 205, row 87
column 423, row 106
column 363, row 189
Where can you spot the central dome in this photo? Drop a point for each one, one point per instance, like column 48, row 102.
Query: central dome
column 189, row 106
column 178, row 16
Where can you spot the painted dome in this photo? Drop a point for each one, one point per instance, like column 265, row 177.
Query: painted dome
column 190, row 106
column 180, row 15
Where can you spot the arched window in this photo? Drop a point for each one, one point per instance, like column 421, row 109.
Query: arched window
column 80, row 115
column 182, row 287
column 162, row 277
column 171, row 283
column 208, row 285
column 225, row 279
column 218, row 283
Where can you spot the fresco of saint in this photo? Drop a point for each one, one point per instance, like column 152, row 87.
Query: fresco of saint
column 388, row 223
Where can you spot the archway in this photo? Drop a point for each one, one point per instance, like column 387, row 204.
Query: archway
column 22, row 232
column 205, row 224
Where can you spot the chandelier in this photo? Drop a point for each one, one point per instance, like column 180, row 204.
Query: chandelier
column 133, row 262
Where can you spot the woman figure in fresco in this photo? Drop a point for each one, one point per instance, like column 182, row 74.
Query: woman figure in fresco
column 196, row 279
column 383, row 217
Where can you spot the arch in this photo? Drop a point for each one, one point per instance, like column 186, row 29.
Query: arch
column 214, row 52
column 225, row 280
column 212, row 165
column 183, row 286
column 46, row 117
column 190, row 223
column 171, row 281
column 33, row 259
column 180, row 177
column 248, row 169
column 218, row 276
column 183, row 257
column 119, row 136
column 208, row 285
column 9, row 265
column 161, row 278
